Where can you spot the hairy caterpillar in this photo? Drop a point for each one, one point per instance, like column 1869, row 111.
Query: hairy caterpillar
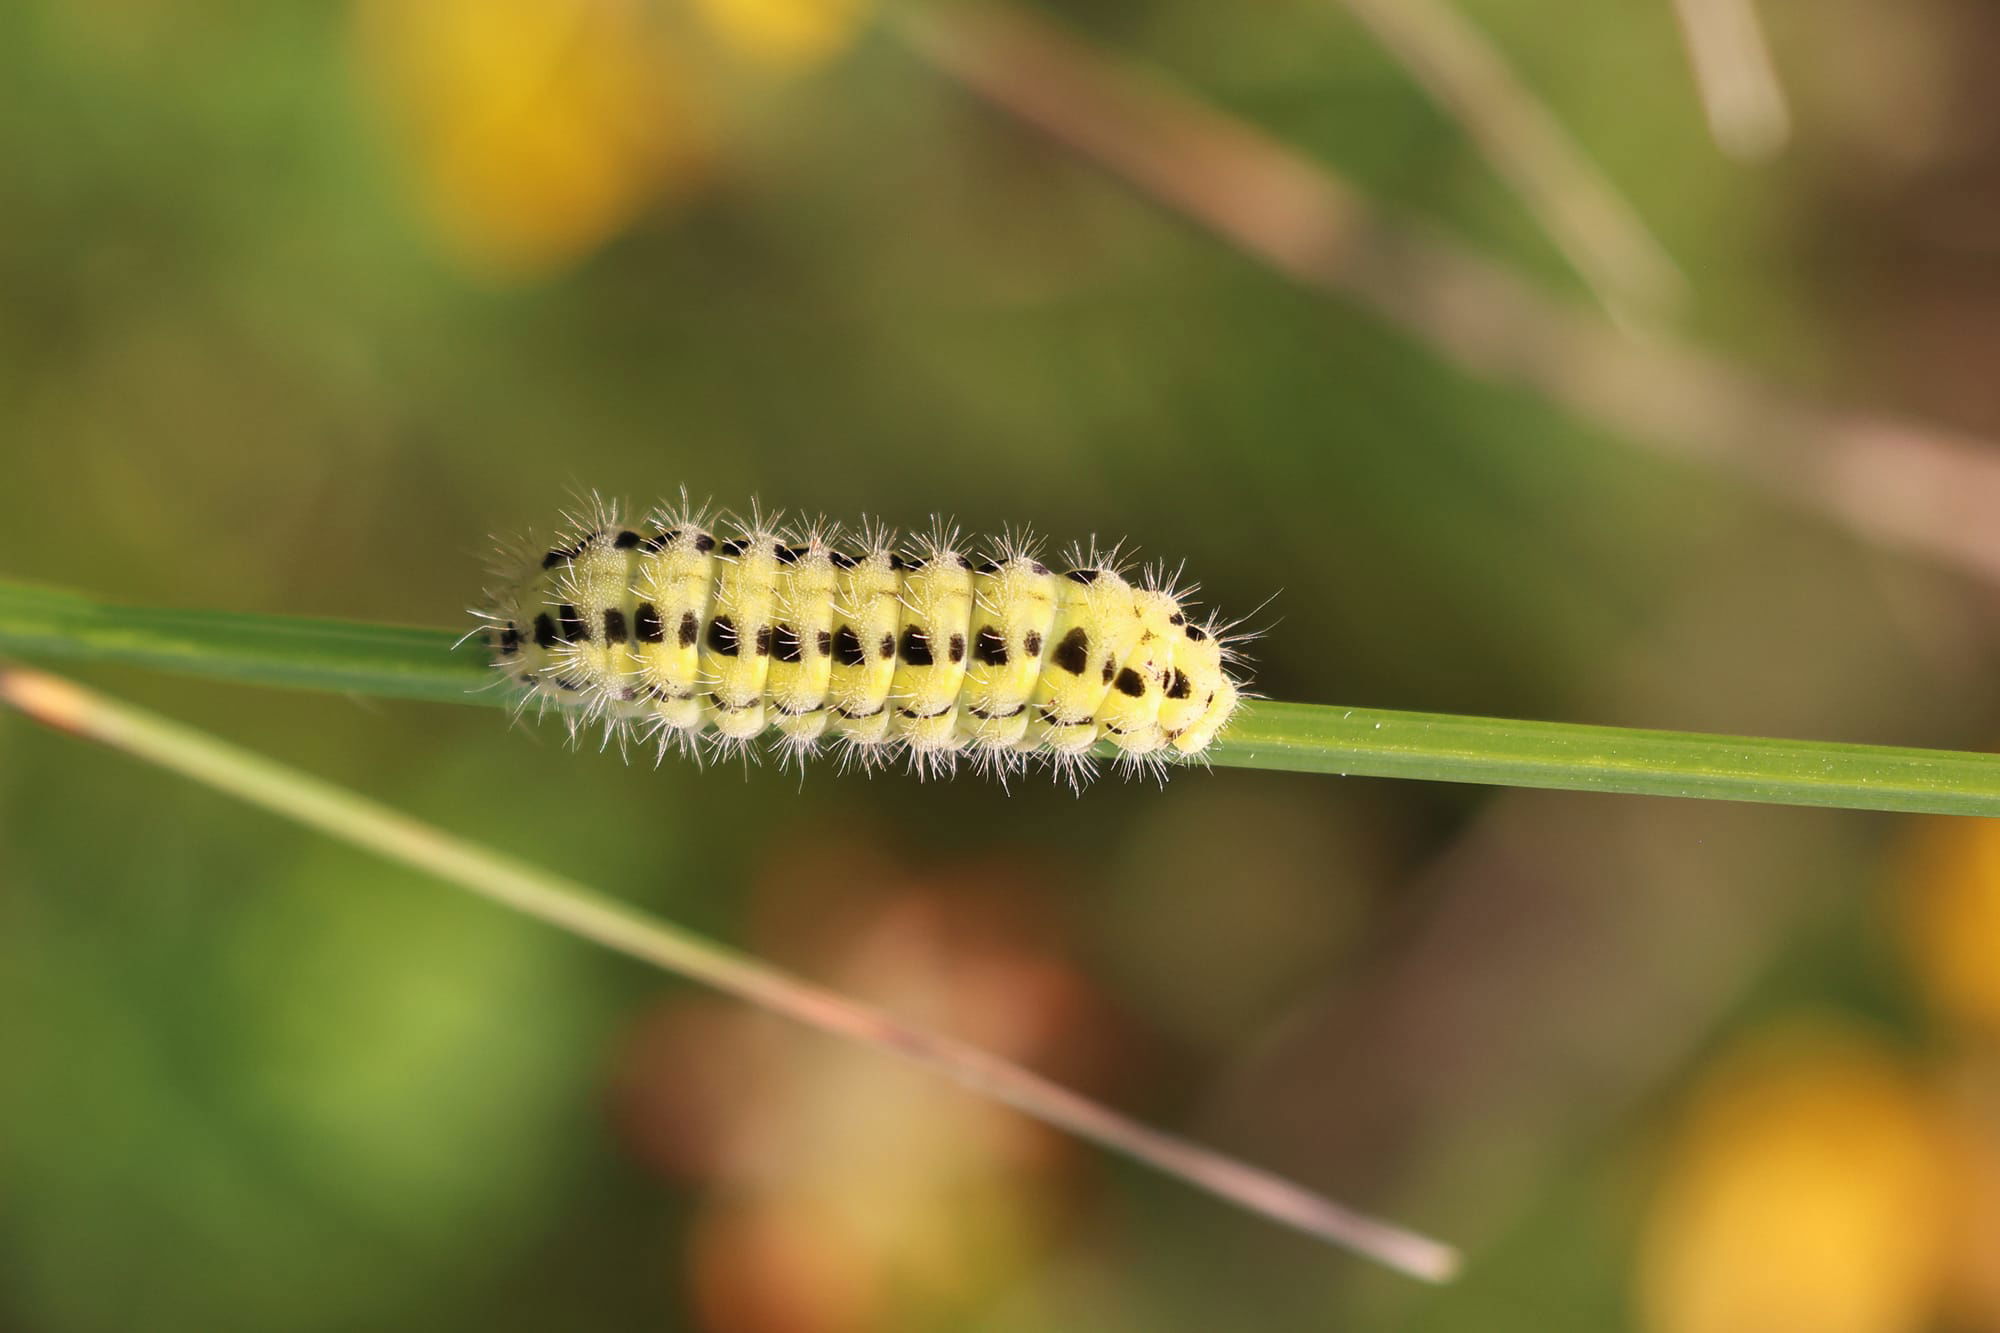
column 666, row 630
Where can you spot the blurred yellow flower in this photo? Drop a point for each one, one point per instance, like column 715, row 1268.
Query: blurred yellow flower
column 1808, row 1193
column 1951, row 901
column 537, row 129
column 1973, row 1139
column 786, row 33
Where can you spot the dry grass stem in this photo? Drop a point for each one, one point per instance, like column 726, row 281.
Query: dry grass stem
column 1740, row 93
column 586, row 913
column 1583, row 213
column 1914, row 487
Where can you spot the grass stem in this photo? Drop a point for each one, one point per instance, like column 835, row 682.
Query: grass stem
column 408, row 663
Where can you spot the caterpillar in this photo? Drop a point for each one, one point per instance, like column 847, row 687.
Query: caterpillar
column 667, row 630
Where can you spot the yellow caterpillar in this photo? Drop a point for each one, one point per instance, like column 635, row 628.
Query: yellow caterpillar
column 667, row 630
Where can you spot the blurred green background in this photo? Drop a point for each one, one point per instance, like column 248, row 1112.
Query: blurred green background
column 300, row 302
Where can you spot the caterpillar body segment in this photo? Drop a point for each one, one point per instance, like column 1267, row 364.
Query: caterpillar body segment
column 801, row 673
column 1011, row 615
column 690, row 634
column 672, row 575
column 868, row 602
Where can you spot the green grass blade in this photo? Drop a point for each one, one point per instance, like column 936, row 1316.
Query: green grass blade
column 1375, row 742
column 396, row 661
column 411, row 663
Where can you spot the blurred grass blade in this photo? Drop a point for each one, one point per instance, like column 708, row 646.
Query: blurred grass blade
column 407, row 663
column 582, row 911
column 1739, row 88
column 1594, row 226
column 1908, row 484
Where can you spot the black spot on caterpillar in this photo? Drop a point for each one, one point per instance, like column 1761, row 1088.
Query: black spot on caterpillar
column 646, row 625
column 1073, row 653
column 667, row 632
